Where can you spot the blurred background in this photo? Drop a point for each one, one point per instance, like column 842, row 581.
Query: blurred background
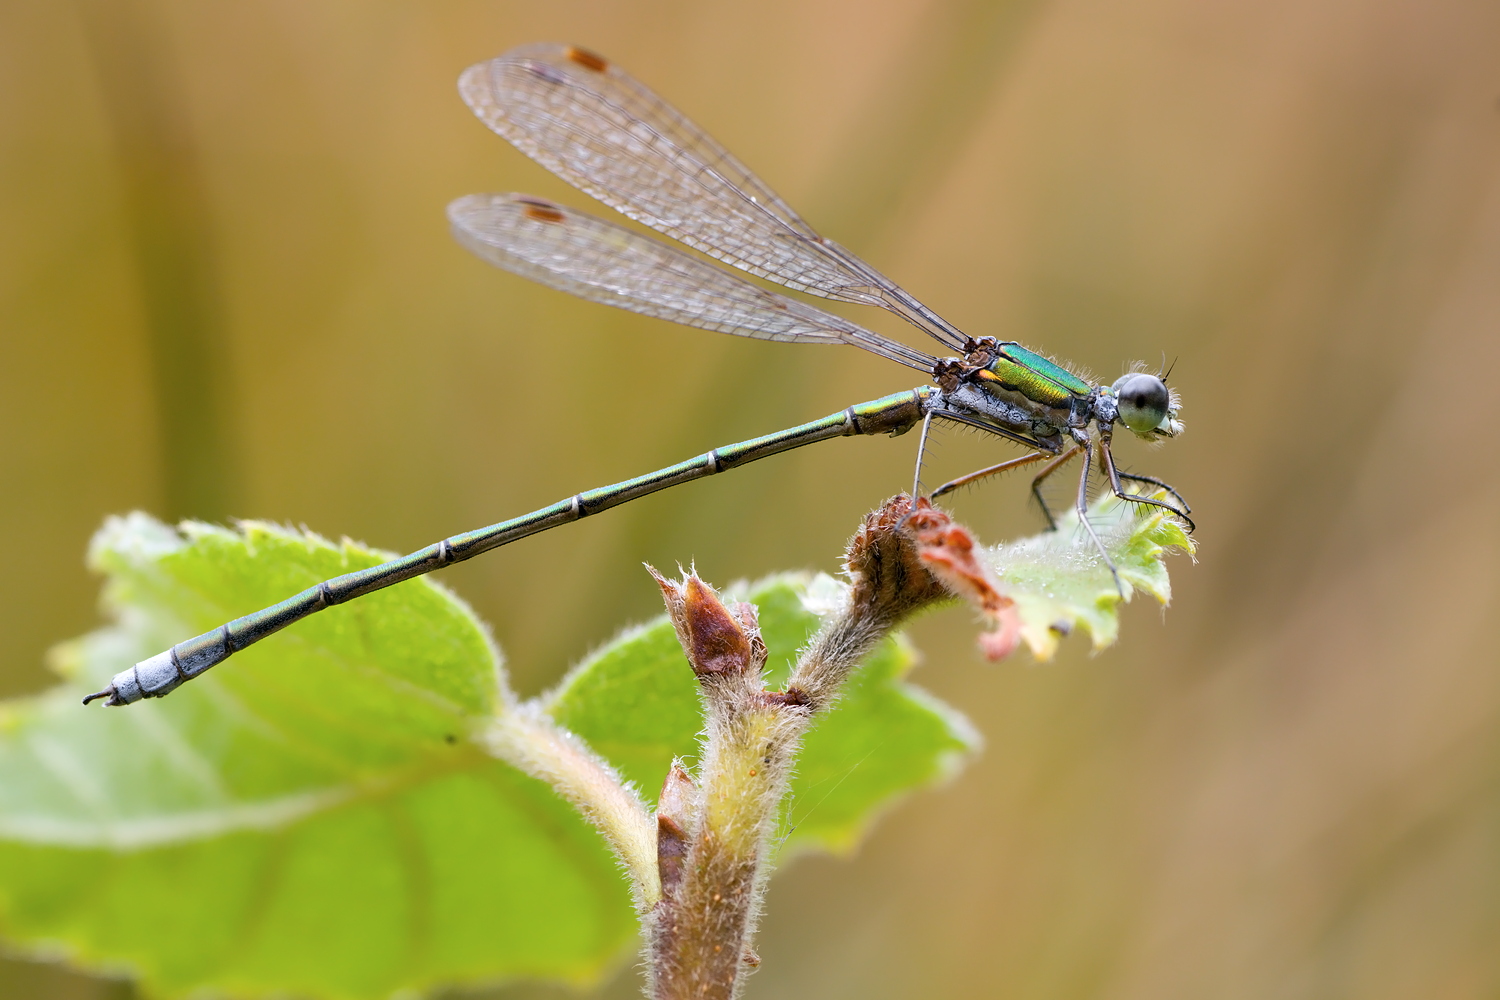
column 227, row 290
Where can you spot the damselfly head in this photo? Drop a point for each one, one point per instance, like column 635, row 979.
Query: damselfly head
column 1146, row 406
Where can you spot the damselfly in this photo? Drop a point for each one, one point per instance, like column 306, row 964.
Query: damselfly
column 600, row 130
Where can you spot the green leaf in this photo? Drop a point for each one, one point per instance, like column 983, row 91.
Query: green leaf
column 310, row 817
column 636, row 703
column 1059, row 582
column 316, row 817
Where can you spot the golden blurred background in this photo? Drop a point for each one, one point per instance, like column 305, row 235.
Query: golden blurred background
column 227, row 289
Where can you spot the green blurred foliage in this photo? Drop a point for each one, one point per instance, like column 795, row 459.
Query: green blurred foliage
column 1290, row 789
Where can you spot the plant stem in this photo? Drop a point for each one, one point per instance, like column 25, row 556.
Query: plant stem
column 525, row 737
column 699, row 870
column 700, row 932
column 713, row 841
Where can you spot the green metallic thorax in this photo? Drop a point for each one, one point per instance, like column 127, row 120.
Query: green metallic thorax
column 1036, row 378
column 1025, row 379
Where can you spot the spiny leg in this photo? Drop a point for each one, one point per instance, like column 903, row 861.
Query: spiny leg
column 1013, row 463
column 1082, row 505
column 959, row 418
column 1115, row 475
column 1041, row 477
column 1160, row 484
column 916, row 478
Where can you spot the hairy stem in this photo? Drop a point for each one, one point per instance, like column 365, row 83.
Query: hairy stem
column 713, row 839
column 527, row 739
column 701, row 931
column 699, row 867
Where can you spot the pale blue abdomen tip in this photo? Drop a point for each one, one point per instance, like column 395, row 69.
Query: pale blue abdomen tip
column 156, row 676
column 150, row 678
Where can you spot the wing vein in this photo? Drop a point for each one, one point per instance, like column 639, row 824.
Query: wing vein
column 599, row 261
column 613, row 138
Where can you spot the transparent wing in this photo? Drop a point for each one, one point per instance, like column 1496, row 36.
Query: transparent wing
column 602, row 131
column 585, row 256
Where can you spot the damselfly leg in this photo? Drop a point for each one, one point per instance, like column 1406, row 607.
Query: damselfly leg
column 1106, row 458
column 1041, row 477
column 916, row 476
column 1163, row 485
column 1115, row 475
column 1081, row 504
column 993, row 470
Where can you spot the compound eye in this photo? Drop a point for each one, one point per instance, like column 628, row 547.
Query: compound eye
column 1143, row 401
